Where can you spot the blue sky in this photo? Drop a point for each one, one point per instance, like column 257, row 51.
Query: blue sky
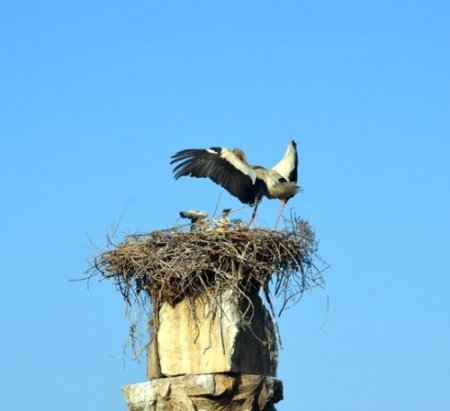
column 95, row 98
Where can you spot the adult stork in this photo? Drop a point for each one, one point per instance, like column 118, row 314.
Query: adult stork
column 249, row 183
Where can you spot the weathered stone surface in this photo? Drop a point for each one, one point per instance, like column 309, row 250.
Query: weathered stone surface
column 210, row 336
column 205, row 392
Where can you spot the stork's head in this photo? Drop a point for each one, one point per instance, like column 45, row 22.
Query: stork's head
column 226, row 212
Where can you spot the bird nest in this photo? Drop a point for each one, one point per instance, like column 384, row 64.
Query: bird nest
column 171, row 265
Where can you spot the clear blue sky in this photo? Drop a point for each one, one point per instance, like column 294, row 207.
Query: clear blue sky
column 95, row 97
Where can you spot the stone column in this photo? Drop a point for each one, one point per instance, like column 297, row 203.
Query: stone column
column 212, row 353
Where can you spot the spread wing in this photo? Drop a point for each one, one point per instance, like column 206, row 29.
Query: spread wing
column 223, row 167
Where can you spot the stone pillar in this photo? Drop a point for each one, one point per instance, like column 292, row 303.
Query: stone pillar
column 212, row 353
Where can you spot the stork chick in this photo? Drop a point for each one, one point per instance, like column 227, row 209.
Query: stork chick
column 198, row 219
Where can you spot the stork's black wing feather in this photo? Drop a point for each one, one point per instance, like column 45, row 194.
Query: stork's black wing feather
column 229, row 172
column 293, row 174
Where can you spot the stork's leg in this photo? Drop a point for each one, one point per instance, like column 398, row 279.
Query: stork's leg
column 283, row 204
column 253, row 215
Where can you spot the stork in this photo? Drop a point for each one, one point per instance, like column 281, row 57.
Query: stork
column 249, row 183
column 198, row 218
column 226, row 221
